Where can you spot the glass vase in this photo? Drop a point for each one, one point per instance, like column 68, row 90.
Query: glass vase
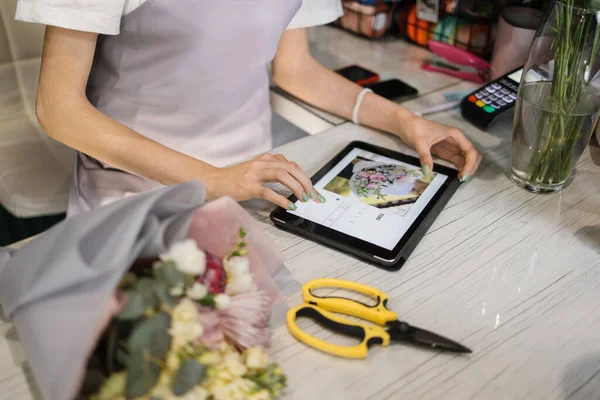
column 556, row 109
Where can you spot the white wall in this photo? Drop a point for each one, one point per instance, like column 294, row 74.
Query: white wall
column 34, row 169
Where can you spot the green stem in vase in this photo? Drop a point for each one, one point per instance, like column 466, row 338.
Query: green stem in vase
column 559, row 128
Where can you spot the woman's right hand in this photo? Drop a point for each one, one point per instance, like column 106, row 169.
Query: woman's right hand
column 246, row 181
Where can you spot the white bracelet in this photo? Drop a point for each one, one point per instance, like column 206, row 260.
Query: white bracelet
column 359, row 100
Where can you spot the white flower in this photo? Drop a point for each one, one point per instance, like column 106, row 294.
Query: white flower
column 163, row 391
column 222, row 301
column 177, row 290
column 240, row 284
column 230, row 368
column 238, row 389
column 197, row 292
column 210, row 358
column 256, row 358
column 185, row 326
column 173, row 361
column 187, row 257
column 237, row 265
column 195, row 393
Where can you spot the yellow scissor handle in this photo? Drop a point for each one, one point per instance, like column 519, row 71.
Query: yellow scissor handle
column 367, row 334
column 378, row 314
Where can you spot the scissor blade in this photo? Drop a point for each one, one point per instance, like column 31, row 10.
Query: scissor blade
column 401, row 331
column 429, row 339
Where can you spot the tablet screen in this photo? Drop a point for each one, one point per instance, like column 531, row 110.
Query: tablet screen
column 371, row 197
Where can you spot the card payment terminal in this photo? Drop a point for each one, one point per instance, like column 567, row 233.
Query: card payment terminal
column 493, row 102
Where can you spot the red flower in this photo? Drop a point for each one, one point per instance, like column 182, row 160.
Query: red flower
column 214, row 277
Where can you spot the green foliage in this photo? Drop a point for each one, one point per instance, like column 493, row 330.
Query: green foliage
column 575, row 48
column 134, row 307
column 148, row 346
column 270, row 378
column 190, row 374
column 145, row 287
column 168, row 273
column 209, row 300
column 240, row 248
column 163, row 296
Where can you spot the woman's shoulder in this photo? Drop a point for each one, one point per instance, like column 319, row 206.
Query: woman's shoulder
column 103, row 17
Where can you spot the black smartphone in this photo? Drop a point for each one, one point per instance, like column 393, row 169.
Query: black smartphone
column 358, row 74
column 393, row 89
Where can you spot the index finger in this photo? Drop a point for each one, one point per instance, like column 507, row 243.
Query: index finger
column 470, row 152
column 294, row 169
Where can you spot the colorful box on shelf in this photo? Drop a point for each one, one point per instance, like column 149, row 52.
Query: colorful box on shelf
column 370, row 18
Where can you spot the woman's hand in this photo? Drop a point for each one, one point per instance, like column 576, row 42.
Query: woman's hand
column 451, row 144
column 246, row 181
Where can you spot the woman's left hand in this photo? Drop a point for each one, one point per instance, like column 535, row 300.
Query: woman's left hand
column 451, row 144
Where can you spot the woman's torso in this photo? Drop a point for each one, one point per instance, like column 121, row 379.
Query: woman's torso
column 191, row 76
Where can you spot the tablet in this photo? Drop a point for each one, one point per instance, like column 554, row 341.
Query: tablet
column 378, row 204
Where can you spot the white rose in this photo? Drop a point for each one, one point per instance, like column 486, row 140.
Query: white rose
column 222, row 301
column 240, row 284
column 187, row 257
column 256, row 358
column 185, row 324
column 237, row 265
column 197, row 292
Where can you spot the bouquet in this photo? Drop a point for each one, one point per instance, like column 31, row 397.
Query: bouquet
column 191, row 326
column 156, row 296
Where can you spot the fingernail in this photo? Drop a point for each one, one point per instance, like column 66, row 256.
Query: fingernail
column 465, row 178
column 292, row 206
column 304, row 197
column 313, row 195
column 322, row 199
column 425, row 170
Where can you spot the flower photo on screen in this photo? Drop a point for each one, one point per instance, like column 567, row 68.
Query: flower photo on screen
column 393, row 186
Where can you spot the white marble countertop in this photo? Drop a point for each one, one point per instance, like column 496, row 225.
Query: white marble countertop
column 514, row 276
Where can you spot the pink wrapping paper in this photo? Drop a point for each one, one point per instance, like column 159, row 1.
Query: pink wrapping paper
column 215, row 227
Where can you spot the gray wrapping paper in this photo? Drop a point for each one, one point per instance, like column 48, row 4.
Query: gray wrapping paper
column 56, row 287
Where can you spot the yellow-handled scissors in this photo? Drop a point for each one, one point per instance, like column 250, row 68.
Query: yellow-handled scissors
column 326, row 311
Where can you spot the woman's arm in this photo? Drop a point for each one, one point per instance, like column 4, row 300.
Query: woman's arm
column 296, row 71
column 65, row 113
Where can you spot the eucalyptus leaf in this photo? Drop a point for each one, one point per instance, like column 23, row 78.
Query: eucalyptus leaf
column 122, row 357
column 134, row 307
column 145, row 287
column 190, row 374
column 163, row 295
column 148, row 347
column 169, row 274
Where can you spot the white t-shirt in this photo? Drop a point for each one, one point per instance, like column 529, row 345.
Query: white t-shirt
column 104, row 16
